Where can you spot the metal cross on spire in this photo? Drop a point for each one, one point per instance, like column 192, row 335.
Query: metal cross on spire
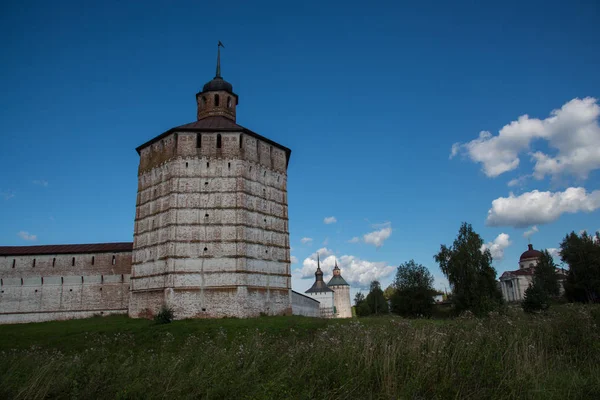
column 219, row 59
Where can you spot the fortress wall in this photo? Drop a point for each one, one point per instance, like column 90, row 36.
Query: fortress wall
column 212, row 227
column 63, row 286
column 304, row 305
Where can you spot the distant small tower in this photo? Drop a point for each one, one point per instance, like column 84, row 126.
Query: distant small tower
column 323, row 294
column 341, row 294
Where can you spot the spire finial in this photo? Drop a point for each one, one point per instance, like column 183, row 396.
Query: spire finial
column 219, row 59
column 318, row 261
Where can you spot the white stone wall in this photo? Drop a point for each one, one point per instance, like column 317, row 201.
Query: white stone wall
column 304, row 305
column 211, row 232
column 343, row 309
column 63, row 286
column 513, row 288
column 326, row 301
column 528, row 263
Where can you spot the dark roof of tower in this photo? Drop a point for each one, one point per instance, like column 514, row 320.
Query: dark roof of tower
column 66, row 249
column 530, row 253
column 337, row 281
column 218, row 83
column 319, row 285
column 214, row 124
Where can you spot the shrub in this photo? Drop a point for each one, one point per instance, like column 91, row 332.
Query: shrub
column 535, row 299
column 164, row 316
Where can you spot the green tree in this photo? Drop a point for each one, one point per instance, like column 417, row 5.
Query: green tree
column 470, row 273
column 582, row 255
column 536, row 299
column 545, row 275
column 375, row 300
column 361, row 306
column 414, row 290
column 389, row 292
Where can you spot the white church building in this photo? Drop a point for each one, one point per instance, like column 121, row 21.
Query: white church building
column 514, row 283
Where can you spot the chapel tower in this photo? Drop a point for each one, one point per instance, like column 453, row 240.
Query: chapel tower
column 211, row 234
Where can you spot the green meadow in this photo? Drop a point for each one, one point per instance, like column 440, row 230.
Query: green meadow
column 511, row 355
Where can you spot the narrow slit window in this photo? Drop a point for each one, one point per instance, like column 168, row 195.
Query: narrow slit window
column 62, row 280
column 216, row 100
column 93, row 259
column 241, row 136
column 229, row 165
column 73, row 262
column 228, row 101
column 14, row 262
column 207, row 165
column 53, row 262
column 21, row 281
column 186, row 165
column 219, row 141
column 114, row 260
column 42, row 280
column 82, row 279
column 199, row 141
column 33, row 263
column 122, row 278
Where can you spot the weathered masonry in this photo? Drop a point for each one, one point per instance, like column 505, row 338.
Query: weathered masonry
column 42, row 283
column 211, row 232
column 211, row 235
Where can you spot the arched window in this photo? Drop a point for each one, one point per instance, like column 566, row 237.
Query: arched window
column 228, row 101
column 219, row 141
column 203, row 102
column 216, row 100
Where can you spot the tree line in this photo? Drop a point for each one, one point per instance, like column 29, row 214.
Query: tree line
column 472, row 279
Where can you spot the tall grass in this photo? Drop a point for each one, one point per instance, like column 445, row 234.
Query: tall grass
column 556, row 355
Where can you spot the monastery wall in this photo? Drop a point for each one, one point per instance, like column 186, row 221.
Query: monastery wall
column 305, row 305
column 211, row 236
column 36, row 288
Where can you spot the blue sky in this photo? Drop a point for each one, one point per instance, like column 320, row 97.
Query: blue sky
column 372, row 97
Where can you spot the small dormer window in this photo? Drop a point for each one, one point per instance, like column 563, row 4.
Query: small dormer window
column 228, row 101
column 216, row 100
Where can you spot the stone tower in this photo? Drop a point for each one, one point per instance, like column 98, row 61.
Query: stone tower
column 320, row 292
column 211, row 234
column 341, row 290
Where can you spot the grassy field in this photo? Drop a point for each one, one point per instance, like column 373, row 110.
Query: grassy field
column 552, row 356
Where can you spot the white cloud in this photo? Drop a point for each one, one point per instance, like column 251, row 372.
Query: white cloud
column 554, row 252
column 497, row 246
column 355, row 239
column 527, row 234
column 520, row 181
column 536, row 208
column 572, row 132
column 377, row 238
column 40, row 182
column 293, row 260
column 357, row 272
column 306, row 240
column 581, row 232
column 330, row 220
column 27, row 236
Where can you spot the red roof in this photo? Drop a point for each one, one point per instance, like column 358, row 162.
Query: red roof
column 66, row 249
column 530, row 253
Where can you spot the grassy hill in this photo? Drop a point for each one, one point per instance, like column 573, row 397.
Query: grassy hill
column 550, row 356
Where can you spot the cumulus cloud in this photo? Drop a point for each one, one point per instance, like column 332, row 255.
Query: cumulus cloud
column 536, row 208
column 357, row 272
column 554, row 252
column 27, row 236
column 528, row 233
column 572, row 132
column 376, row 238
column 306, row 240
column 355, row 239
column 330, row 220
column 40, row 182
column 293, row 260
column 497, row 246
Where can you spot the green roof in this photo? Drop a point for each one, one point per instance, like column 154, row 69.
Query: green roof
column 337, row 281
